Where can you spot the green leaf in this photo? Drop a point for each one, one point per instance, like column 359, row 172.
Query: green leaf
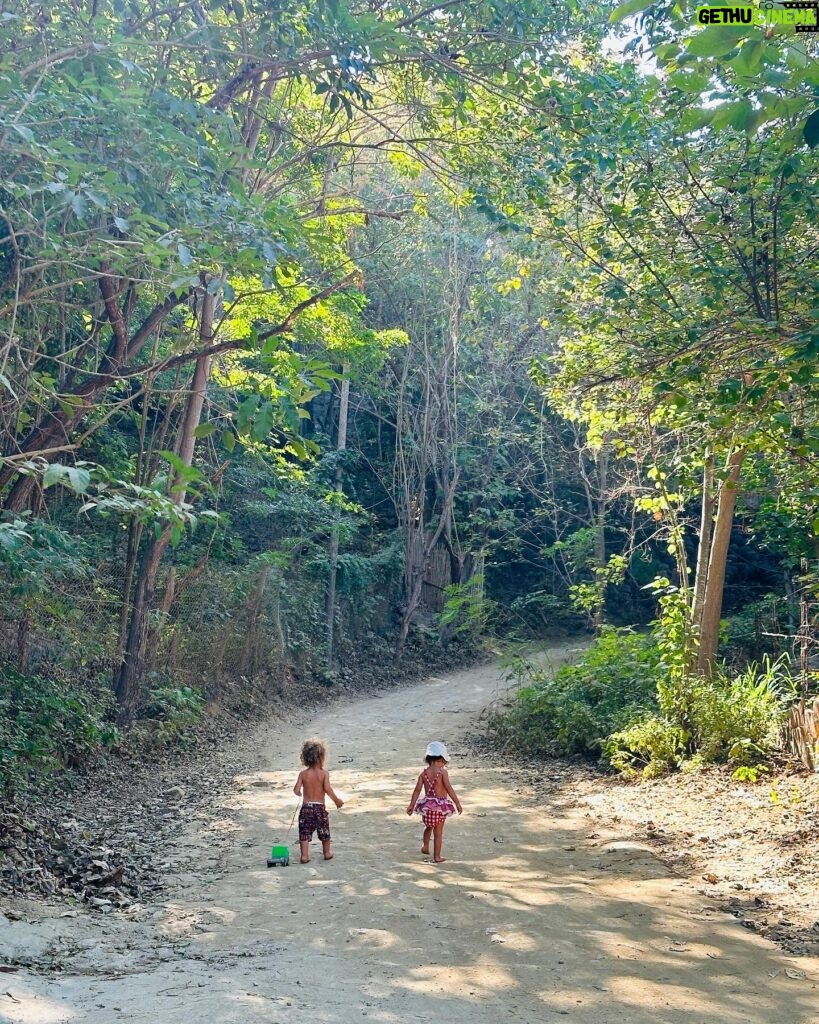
column 691, row 81
column 228, row 440
column 245, row 413
column 79, row 204
column 54, row 474
column 696, row 118
column 205, row 430
column 717, row 40
column 666, row 51
column 749, row 58
column 628, row 8
column 263, row 423
column 185, row 474
column 796, row 55
column 78, row 479
column 73, row 477
column 24, row 132
column 185, row 256
column 811, row 130
column 732, row 115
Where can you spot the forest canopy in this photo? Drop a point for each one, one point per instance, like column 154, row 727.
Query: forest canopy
column 339, row 329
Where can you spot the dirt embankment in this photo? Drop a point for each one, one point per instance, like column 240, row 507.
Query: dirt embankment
column 750, row 847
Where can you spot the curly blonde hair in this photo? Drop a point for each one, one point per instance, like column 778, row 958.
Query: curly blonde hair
column 313, row 754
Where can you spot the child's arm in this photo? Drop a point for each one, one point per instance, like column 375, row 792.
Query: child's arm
column 298, row 786
column 450, row 791
column 328, row 789
column 415, row 793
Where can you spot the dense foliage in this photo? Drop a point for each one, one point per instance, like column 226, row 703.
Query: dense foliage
column 575, row 709
column 329, row 327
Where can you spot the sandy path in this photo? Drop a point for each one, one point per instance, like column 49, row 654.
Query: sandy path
column 592, row 927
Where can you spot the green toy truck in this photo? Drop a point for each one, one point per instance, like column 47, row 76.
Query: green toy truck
column 279, row 855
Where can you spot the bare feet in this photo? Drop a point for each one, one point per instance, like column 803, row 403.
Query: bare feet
column 305, row 860
column 425, row 850
column 438, row 860
column 329, row 856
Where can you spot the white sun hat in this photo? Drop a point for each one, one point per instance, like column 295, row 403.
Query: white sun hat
column 437, row 749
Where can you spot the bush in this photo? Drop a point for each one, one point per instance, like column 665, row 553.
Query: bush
column 613, row 684
column 609, row 704
column 759, row 629
column 168, row 716
column 736, row 720
column 47, row 724
column 651, row 747
column 740, row 719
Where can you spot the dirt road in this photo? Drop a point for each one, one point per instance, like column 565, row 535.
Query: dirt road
column 531, row 919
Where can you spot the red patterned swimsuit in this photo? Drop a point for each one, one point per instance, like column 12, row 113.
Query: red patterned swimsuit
column 433, row 809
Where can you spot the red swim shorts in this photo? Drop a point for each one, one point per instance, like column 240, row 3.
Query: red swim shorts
column 314, row 818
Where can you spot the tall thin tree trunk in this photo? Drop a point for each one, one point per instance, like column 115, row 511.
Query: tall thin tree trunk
column 704, row 550
column 134, row 537
column 718, row 557
column 601, row 508
column 341, row 445
column 155, row 633
column 131, row 672
column 254, row 610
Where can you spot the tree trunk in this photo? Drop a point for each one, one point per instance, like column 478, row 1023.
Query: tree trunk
column 254, row 610
column 155, row 634
column 341, row 445
column 601, row 508
column 131, row 672
column 718, row 556
column 461, row 571
column 419, row 568
column 704, row 550
column 134, row 538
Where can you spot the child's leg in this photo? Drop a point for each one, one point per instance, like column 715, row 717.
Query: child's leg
column 328, row 852
column 425, row 843
column 305, row 850
column 439, row 839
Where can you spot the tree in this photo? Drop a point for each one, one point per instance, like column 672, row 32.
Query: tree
column 692, row 318
column 158, row 161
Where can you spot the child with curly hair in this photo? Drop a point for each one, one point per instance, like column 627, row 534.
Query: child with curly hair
column 313, row 784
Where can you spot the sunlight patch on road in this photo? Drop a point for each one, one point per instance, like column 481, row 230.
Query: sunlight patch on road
column 477, row 981
column 19, row 1006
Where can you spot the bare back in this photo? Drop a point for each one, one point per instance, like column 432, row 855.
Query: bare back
column 315, row 783
column 435, row 781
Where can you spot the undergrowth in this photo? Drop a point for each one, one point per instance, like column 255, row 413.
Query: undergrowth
column 48, row 724
column 613, row 705
column 574, row 710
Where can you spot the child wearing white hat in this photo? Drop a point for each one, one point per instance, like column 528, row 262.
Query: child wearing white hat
column 439, row 801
